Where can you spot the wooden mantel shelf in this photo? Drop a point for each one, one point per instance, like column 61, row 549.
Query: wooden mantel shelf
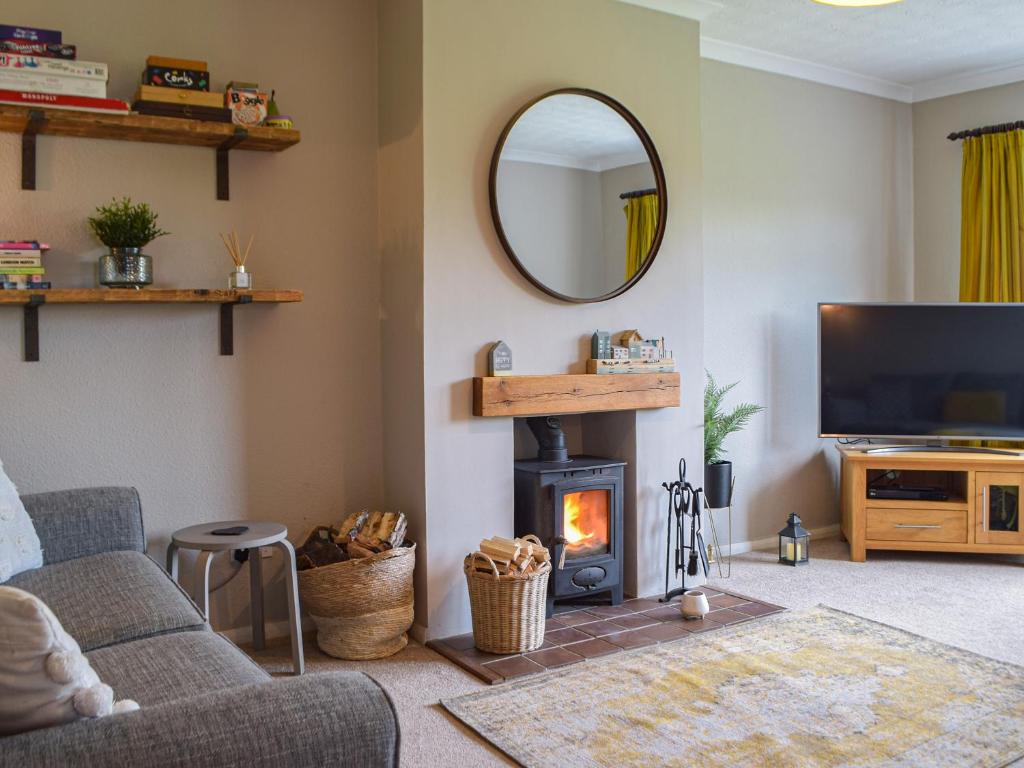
column 37, row 121
column 573, row 393
column 31, row 301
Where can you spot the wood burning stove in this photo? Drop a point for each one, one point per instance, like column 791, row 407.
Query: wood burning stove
column 575, row 507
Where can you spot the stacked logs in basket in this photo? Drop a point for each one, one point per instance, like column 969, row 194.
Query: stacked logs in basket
column 508, row 586
column 361, row 534
column 355, row 580
column 518, row 558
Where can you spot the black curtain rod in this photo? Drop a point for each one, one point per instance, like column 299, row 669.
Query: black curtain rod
column 638, row 193
column 1002, row 128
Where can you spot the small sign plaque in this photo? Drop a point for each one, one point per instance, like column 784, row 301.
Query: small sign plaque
column 499, row 361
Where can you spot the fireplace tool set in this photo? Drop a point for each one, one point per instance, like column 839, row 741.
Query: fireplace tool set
column 683, row 501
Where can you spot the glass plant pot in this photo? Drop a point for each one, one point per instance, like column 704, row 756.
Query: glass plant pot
column 125, row 268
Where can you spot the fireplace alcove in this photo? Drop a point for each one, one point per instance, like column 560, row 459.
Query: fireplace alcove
column 576, row 502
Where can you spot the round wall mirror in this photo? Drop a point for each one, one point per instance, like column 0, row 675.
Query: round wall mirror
column 578, row 195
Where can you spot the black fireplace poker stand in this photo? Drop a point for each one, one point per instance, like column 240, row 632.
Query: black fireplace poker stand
column 683, row 502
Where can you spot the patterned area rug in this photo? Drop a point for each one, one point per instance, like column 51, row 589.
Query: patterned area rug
column 811, row 688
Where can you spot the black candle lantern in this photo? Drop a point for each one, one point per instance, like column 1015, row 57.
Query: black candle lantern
column 794, row 542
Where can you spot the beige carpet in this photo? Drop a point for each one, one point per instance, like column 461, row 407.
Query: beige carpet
column 974, row 602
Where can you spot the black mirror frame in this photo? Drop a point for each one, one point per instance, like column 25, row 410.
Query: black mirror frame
column 659, row 180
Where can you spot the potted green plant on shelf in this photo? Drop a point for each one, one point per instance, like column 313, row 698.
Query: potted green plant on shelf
column 125, row 228
column 718, row 425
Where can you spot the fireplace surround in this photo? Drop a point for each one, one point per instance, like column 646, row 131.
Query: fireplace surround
column 575, row 505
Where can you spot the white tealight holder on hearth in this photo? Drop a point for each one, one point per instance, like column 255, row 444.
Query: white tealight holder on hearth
column 694, row 604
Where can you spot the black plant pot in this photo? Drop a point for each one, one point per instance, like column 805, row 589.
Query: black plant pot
column 718, row 484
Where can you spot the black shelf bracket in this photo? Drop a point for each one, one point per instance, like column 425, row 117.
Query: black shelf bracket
column 36, row 118
column 223, row 176
column 32, row 328
column 227, row 324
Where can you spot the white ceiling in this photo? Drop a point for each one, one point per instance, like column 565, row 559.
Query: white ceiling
column 573, row 131
column 911, row 51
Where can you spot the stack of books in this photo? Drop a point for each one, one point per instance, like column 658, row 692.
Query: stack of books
column 38, row 69
column 179, row 88
column 21, row 265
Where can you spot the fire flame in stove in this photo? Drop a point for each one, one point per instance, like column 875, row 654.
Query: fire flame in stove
column 585, row 521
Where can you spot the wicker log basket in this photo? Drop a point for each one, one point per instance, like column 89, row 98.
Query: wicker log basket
column 362, row 607
column 508, row 611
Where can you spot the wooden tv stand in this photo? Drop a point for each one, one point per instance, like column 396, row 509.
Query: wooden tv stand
column 982, row 513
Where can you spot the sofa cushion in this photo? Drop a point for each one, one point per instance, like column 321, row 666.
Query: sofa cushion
column 19, row 545
column 44, row 678
column 111, row 597
column 176, row 666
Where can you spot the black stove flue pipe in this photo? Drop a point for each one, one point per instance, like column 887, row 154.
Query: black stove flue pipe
column 550, row 438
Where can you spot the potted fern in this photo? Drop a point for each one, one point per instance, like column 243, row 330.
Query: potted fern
column 718, row 425
column 125, row 228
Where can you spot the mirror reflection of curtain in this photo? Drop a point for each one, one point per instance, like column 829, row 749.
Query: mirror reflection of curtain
column 991, row 217
column 641, row 224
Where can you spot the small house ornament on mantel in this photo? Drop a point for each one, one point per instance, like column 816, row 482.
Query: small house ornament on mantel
column 499, row 360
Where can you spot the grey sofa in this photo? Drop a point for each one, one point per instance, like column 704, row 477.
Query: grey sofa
column 203, row 701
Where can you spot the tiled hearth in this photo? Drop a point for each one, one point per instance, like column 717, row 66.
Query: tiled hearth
column 576, row 634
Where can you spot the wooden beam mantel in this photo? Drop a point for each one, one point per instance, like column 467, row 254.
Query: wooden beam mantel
column 572, row 393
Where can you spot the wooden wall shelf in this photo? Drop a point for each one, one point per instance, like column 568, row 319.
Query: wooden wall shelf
column 226, row 299
column 31, row 122
column 573, row 393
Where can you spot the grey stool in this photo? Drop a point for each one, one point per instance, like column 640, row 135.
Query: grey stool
column 198, row 537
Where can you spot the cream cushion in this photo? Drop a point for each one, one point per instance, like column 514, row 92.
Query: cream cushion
column 19, row 545
column 44, row 678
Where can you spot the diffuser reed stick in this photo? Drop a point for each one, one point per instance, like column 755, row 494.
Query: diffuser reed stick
column 238, row 256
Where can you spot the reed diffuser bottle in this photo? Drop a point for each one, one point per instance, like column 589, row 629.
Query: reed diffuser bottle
column 238, row 279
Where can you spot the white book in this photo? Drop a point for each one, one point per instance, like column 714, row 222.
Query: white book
column 58, row 85
column 87, row 70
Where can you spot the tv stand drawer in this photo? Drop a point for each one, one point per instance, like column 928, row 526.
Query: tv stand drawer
column 944, row 525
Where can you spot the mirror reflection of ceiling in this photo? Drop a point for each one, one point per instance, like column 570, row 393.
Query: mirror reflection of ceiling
column 574, row 132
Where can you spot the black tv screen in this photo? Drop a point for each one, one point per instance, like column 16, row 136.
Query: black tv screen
column 921, row 370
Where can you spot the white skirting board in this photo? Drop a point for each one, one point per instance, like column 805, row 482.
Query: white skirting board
column 772, row 542
column 418, row 633
column 272, row 630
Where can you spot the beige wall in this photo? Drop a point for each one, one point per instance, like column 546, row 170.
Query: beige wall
column 937, row 181
column 289, row 428
column 482, row 61
column 400, row 234
column 807, row 198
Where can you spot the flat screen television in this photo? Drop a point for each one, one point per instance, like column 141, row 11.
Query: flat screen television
column 938, row 371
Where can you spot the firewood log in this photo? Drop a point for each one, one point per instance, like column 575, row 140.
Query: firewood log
column 504, row 550
column 372, row 522
column 397, row 535
column 304, row 563
column 384, row 526
column 371, row 543
column 350, row 526
column 355, row 550
column 540, row 554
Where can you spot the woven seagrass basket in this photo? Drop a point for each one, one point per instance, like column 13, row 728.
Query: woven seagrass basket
column 362, row 607
column 508, row 612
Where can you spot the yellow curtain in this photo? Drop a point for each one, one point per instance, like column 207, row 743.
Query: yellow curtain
column 991, row 221
column 641, row 224
column 991, row 238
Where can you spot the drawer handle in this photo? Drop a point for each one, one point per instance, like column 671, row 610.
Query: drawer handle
column 908, row 525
